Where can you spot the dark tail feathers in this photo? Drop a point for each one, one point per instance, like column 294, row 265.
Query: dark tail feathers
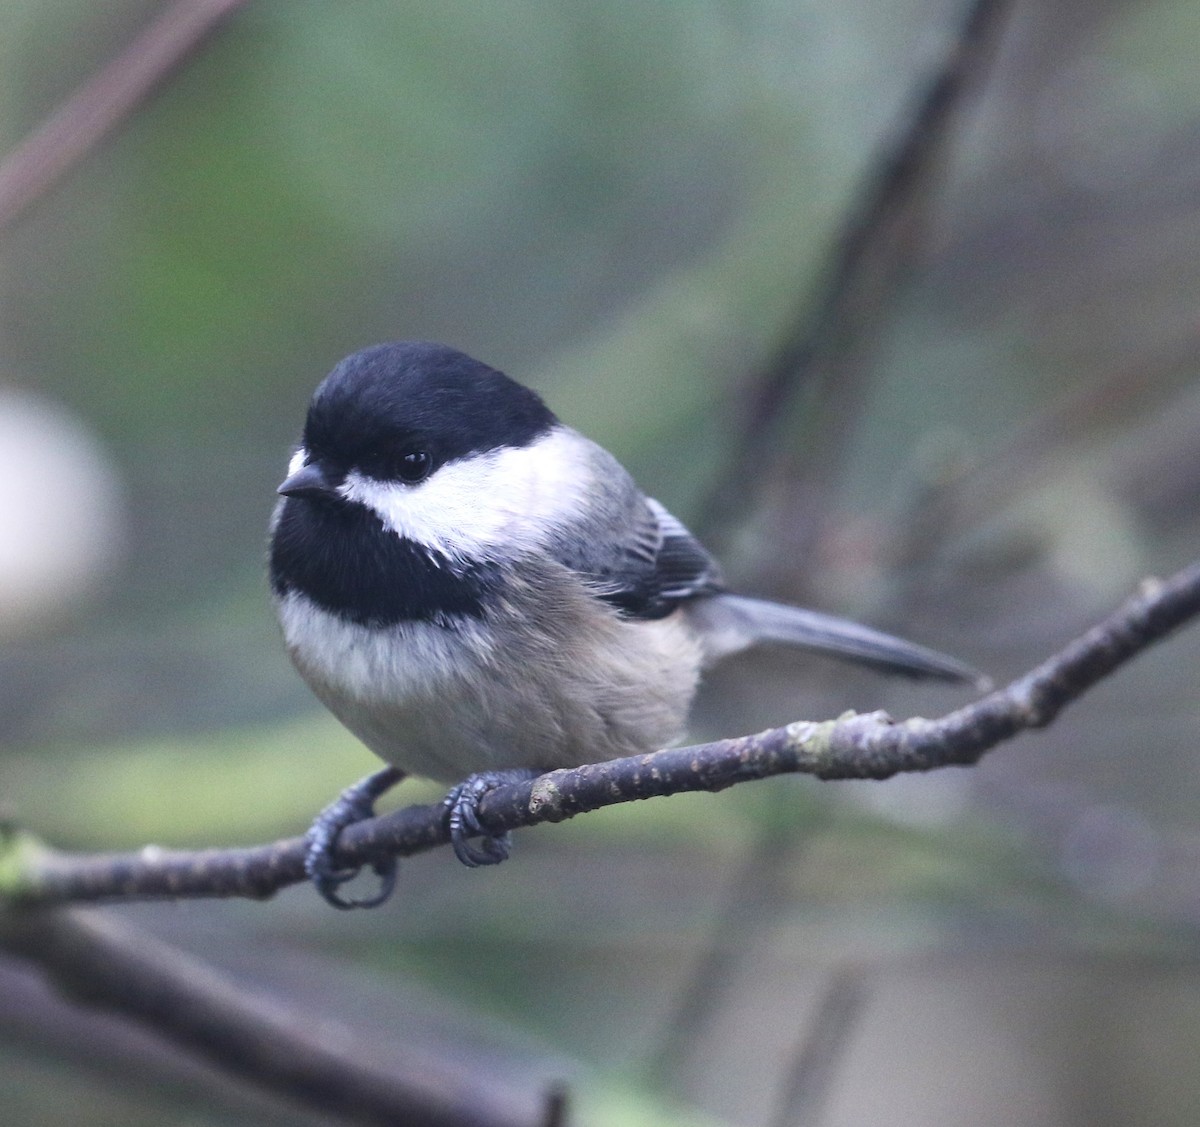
column 735, row 622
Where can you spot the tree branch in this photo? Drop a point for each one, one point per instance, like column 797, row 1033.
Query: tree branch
column 825, row 343
column 97, row 960
column 866, row 746
column 34, row 166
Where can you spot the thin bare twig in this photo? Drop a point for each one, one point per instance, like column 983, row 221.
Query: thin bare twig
column 855, row 746
column 99, row 961
column 80, row 123
column 823, row 346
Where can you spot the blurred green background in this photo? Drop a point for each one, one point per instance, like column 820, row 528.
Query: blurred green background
column 625, row 205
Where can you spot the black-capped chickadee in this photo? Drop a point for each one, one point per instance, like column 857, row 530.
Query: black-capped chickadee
column 475, row 589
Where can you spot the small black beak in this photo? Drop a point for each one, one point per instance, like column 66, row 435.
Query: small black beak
column 308, row 481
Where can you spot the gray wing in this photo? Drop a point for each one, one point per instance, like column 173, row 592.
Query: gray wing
column 665, row 565
column 635, row 556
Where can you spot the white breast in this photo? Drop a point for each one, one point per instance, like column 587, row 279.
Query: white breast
column 445, row 701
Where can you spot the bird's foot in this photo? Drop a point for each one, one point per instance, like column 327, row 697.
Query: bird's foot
column 462, row 806
column 355, row 804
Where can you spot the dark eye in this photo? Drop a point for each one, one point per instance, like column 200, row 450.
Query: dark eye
column 413, row 466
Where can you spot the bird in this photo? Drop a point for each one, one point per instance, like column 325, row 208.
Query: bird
column 481, row 594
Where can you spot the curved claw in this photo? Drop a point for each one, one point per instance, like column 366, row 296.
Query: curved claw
column 355, row 804
column 327, row 884
column 462, row 817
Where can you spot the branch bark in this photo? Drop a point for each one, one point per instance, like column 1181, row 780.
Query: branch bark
column 854, row 746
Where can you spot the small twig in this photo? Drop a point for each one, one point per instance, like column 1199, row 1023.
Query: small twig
column 30, row 169
column 98, row 961
column 867, row 746
column 822, row 346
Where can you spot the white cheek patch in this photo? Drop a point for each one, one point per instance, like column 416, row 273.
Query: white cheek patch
column 502, row 501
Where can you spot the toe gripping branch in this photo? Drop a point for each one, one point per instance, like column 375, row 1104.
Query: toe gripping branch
column 355, row 804
column 462, row 806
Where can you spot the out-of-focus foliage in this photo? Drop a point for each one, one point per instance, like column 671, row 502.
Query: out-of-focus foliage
column 625, row 204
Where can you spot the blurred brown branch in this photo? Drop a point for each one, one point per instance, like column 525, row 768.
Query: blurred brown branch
column 98, row 961
column 823, row 348
column 33, row 167
column 866, row 746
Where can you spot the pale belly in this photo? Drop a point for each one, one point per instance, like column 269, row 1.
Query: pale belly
column 446, row 701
